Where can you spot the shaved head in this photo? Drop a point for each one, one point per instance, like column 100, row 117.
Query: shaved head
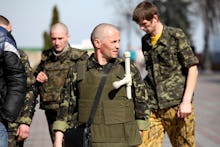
column 101, row 31
column 59, row 36
column 106, row 42
column 59, row 27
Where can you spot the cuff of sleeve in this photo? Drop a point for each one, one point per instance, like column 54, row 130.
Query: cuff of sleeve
column 143, row 124
column 60, row 126
column 24, row 120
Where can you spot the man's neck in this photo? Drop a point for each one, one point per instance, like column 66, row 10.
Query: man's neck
column 158, row 29
column 60, row 53
column 101, row 60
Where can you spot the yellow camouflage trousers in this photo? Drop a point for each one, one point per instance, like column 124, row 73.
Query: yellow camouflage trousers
column 180, row 130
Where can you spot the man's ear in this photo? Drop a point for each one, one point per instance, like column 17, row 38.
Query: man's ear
column 68, row 37
column 97, row 43
column 155, row 18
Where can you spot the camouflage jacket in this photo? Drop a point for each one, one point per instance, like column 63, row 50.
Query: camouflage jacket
column 56, row 68
column 28, row 109
column 167, row 63
column 69, row 105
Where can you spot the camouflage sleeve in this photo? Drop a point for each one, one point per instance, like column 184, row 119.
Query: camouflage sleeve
column 67, row 107
column 186, row 54
column 142, row 110
column 41, row 65
column 28, row 109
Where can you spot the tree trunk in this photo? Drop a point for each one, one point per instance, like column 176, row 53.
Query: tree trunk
column 206, row 52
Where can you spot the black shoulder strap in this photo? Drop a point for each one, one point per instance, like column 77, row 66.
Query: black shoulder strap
column 98, row 93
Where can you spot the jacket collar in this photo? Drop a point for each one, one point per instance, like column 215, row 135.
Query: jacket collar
column 165, row 35
column 163, row 38
column 3, row 30
column 93, row 63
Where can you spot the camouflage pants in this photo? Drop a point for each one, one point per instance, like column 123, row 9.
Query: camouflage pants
column 180, row 130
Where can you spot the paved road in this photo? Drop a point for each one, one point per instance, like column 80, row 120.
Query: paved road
column 207, row 108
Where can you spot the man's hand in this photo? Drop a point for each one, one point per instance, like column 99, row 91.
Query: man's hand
column 141, row 133
column 23, row 132
column 184, row 110
column 42, row 77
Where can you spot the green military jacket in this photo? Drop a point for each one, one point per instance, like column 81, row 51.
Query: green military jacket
column 167, row 64
column 27, row 112
column 115, row 118
column 56, row 68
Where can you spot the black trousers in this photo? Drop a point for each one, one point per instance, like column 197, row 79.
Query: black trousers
column 51, row 117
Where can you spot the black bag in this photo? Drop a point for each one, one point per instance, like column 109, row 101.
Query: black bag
column 78, row 136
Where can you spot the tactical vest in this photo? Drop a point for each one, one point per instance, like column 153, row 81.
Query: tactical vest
column 115, row 117
column 56, row 69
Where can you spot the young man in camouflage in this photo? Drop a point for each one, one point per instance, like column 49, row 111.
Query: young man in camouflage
column 117, row 118
column 52, row 71
column 172, row 75
column 19, row 130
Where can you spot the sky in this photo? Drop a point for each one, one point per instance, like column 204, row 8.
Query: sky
column 30, row 18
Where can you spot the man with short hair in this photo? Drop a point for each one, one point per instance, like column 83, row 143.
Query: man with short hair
column 172, row 74
column 52, row 70
column 118, row 119
column 12, row 80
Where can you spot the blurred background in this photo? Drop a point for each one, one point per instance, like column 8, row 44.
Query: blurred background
column 31, row 21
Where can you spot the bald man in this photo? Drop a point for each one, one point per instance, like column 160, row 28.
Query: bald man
column 117, row 120
column 52, row 70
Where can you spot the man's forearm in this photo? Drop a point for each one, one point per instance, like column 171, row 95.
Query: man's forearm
column 58, row 139
column 190, row 84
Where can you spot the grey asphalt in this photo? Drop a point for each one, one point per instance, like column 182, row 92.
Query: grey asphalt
column 207, row 109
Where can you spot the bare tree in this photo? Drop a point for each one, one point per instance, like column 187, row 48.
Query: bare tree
column 124, row 10
column 168, row 11
column 46, row 35
column 209, row 12
column 175, row 13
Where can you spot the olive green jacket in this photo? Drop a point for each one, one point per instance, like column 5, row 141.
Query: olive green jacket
column 116, row 116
